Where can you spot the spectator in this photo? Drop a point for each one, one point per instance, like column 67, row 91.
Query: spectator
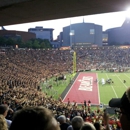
column 3, row 124
column 85, row 103
column 88, row 126
column 97, row 126
column 62, row 121
column 106, row 121
column 4, row 111
column 77, row 123
column 22, row 71
column 124, row 105
column 34, row 118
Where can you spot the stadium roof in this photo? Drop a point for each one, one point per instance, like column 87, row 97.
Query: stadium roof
column 126, row 24
column 23, row 11
column 39, row 28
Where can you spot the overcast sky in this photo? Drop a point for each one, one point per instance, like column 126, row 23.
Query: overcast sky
column 107, row 20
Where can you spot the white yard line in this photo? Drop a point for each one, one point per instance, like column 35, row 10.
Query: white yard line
column 98, row 88
column 121, row 81
column 113, row 88
column 127, row 76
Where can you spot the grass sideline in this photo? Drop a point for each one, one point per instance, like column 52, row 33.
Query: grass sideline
column 106, row 91
column 58, row 87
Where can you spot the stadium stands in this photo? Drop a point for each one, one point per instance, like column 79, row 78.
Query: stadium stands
column 22, row 70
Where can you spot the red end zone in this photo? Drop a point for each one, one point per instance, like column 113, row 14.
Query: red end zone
column 85, row 87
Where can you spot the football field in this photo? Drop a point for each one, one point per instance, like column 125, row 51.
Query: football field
column 113, row 90
column 101, row 93
column 105, row 92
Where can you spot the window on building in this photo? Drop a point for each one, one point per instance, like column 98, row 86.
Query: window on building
column 92, row 31
column 105, row 37
column 71, row 32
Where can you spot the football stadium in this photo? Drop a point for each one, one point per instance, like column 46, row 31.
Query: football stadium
column 79, row 81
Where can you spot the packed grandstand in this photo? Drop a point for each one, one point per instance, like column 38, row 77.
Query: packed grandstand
column 22, row 71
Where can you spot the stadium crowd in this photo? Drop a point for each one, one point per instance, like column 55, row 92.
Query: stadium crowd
column 22, row 70
column 103, row 58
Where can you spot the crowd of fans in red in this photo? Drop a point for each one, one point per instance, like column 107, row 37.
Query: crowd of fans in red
column 21, row 71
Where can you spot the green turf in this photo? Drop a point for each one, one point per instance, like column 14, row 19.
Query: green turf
column 58, row 87
column 106, row 91
column 114, row 90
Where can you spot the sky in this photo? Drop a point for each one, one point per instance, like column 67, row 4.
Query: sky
column 107, row 20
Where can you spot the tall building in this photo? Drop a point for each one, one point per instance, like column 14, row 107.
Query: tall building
column 81, row 34
column 42, row 33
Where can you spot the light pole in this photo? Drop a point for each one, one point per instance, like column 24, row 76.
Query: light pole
column 71, row 34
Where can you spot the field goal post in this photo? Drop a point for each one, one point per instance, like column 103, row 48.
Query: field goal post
column 74, row 62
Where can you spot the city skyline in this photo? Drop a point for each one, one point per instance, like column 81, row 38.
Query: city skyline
column 106, row 20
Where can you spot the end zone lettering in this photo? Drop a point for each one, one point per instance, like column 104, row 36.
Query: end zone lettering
column 86, row 83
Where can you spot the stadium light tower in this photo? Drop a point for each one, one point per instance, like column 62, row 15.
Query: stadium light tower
column 71, row 35
column 71, row 49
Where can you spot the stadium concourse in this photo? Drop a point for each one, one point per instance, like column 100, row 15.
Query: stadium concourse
column 22, row 71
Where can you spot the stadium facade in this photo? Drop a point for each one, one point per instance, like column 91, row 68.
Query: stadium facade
column 81, row 34
column 78, row 35
column 42, row 33
column 119, row 35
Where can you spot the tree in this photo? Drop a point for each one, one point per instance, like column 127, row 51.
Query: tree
column 42, row 45
column 47, row 43
column 35, row 45
column 28, row 44
column 3, row 41
column 32, row 43
column 10, row 42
